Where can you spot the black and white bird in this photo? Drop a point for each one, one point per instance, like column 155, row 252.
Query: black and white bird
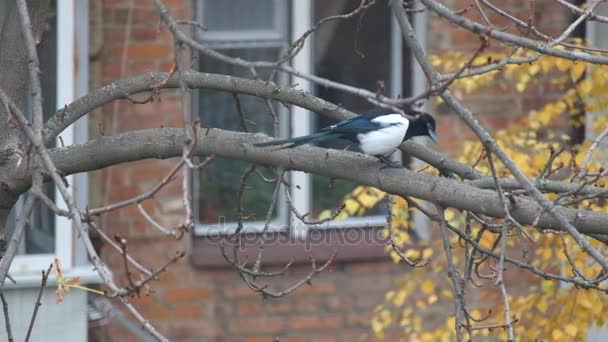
column 377, row 132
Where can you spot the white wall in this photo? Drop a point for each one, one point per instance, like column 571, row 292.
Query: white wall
column 65, row 321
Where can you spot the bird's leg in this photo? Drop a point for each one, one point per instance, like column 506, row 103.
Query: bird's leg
column 387, row 162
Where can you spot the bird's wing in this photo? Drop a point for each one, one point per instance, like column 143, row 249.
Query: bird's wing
column 356, row 125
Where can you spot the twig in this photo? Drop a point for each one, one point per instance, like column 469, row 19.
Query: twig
column 37, row 305
column 583, row 168
column 7, row 319
column 11, row 250
column 145, row 322
column 114, row 245
column 526, row 266
column 273, row 203
column 419, row 262
column 139, row 198
column 303, row 217
column 459, row 301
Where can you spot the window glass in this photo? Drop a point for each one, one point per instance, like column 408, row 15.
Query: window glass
column 232, row 15
column 356, row 53
column 219, row 184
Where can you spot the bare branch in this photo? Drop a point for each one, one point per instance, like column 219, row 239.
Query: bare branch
column 7, row 319
column 45, row 277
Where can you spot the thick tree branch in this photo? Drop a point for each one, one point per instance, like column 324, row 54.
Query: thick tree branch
column 123, row 88
column 129, row 86
column 167, row 143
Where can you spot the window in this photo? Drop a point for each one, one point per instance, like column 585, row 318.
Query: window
column 356, row 52
column 261, row 35
column 50, row 236
column 364, row 55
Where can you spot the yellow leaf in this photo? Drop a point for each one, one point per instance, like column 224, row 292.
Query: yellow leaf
column 421, row 305
column 557, row 335
column 584, row 87
column 427, row 253
column 428, row 286
column 412, row 254
column 571, row 330
column 400, row 298
column 520, row 86
column 585, row 301
column 534, row 69
column 546, row 63
column 542, row 305
column 563, row 64
column 577, row 70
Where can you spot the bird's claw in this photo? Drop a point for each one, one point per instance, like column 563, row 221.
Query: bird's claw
column 387, row 163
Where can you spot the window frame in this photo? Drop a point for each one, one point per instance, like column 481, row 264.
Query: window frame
column 300, row 122
column 24, row 265
column 234, row 40
column 218, row 38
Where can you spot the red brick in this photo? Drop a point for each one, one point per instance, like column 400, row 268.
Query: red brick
column 340, row 303
column 176, row 295
column 315, row 322
column 325, row 337
column 307, row 304
column 189, row 311
column 144, row 33
column 239, row 291
column 317, row 287
column 358, row 319
column 262, row 339
column 149, row 50
column 257, row 325
column 249, row 307
column 279, row 305
column 201, row 329
column 157, row 312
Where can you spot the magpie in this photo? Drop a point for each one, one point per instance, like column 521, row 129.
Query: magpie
column 377, row 132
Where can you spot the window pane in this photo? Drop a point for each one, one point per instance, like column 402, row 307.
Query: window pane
column 220, row 181
column 233, row 15
column 355, row 53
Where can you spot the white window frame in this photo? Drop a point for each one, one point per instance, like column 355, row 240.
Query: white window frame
column 219, row 38
column 301, row 121
column 24, row 265
column 235, row 39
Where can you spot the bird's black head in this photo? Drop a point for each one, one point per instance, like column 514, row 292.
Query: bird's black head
column 423, row 124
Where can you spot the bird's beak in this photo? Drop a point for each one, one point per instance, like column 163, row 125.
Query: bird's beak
column 434, row 136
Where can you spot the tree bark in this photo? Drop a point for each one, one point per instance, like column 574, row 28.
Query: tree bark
column 13, row 68
column 168, row 142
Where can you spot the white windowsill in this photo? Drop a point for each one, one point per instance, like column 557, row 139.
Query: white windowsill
column 86, row 273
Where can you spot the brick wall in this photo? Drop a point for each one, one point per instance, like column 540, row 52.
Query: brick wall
column 213, row 304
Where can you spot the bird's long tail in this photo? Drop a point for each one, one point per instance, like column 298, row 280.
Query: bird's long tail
column 293, row 142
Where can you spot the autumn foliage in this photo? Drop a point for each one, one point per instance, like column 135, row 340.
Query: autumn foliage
column 420, row 308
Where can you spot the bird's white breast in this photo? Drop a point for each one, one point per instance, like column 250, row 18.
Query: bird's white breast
column 385, row 139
